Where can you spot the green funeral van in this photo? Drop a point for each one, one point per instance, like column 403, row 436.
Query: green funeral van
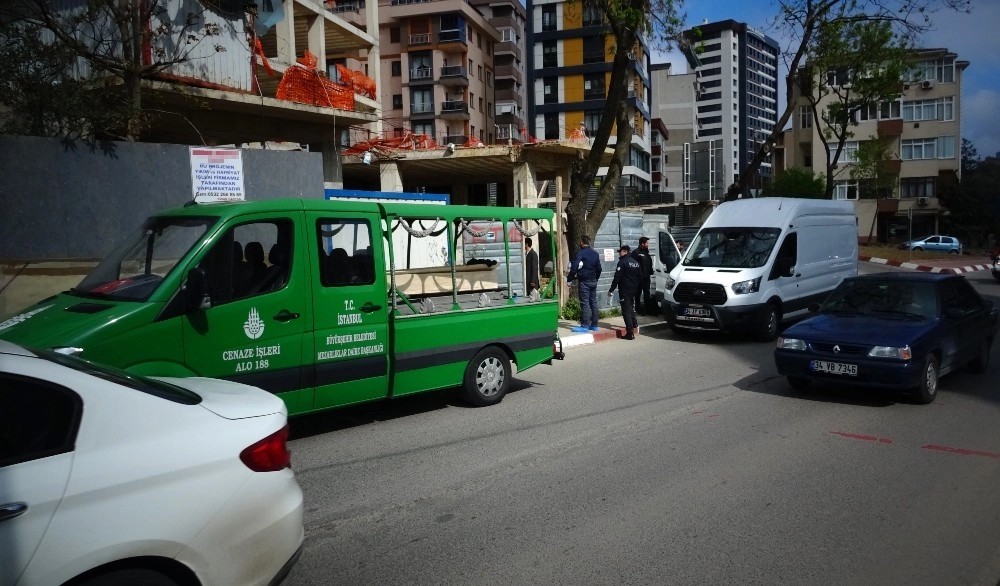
column 325, row 303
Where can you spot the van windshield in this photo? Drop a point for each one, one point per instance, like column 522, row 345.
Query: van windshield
column 735, row 248
column 137, row 266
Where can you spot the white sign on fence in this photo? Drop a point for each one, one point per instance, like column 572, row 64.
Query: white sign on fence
column 217, row 174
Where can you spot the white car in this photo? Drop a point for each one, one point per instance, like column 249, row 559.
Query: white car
column 112, row 479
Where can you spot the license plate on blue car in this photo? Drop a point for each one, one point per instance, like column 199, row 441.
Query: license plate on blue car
column 833, row 367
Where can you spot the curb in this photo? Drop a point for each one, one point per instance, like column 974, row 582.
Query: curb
column 607, row 332
column 926, row 268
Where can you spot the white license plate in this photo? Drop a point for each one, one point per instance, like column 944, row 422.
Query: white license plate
column 833, row 367
column 697, row 311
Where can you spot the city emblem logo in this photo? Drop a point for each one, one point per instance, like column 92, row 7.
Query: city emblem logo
column 254, row 326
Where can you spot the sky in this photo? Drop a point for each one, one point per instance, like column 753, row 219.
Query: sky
column 973, row 37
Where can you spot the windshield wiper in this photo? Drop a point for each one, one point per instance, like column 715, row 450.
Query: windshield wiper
column 899, row 312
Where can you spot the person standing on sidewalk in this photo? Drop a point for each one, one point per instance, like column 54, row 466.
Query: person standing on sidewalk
column 586, row 267
column 531, row 268
column 641, row 254
column 628, row 279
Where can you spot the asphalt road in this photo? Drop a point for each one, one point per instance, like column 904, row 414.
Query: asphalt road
column 658, row 461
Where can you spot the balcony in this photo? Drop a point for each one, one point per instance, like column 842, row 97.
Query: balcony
column 594, row 57
column 454, row 75
column 508, row 21
column 419, row 75
column 890, row 127
column 507, row 48
column 890, row 167
column 455, row 110
column 508, row 95
column 420, row 39
column 451, row 37
column 507, row 72
column 458, row 139
column 422, row 110
column 595, row 94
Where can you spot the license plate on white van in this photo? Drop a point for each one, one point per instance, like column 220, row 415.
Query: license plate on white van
column 697, row 312
column 833, row 367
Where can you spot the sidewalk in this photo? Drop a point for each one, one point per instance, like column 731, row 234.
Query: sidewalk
column 961, row 264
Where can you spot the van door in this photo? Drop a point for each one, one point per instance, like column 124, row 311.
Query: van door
column 351, row 324
column 255, row 329
column 786, row 276
column 668, row 256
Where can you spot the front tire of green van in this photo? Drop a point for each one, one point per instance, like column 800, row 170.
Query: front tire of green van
column 487, row 377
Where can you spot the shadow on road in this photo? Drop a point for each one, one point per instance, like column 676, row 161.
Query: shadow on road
column 302, row 426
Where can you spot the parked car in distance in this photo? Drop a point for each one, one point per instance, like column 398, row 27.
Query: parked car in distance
column 894, row 330
column 936, row 243
column 109, row 479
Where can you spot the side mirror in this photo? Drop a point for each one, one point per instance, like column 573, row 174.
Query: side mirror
column 791, row 270
column 195, row 290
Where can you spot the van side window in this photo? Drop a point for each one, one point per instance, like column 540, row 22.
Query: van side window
column 250, row 259
column 345, row 252
column 787, row 257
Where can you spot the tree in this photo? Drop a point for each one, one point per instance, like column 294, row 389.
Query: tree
column 974, row 206
column 796, row 182
column 854, row 68
column 801, row 21
column 107, row 48
column 970, row 156
column 660, row 22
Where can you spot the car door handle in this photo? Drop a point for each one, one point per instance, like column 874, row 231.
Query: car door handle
column 285, row 315
column 370, row 307
column 11, row 510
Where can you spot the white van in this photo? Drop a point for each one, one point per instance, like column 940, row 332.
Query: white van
column 755, row 262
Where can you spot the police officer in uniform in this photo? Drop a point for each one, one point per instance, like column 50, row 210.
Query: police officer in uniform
column 641, row 254
column 628, row 279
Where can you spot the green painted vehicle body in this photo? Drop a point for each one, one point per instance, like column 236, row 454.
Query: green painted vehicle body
column 336, row 310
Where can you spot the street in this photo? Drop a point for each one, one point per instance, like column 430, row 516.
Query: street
column 660, row 461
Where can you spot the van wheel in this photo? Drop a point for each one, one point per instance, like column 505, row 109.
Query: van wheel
column 798, row 383
column 772, row 317
column 927, row 390
column 487, row 377
column 982, row 360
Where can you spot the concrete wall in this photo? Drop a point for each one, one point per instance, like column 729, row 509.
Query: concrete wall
column 62, row 200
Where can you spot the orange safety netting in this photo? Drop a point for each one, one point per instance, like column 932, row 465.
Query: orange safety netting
column 473, row 142
column 361, row 83
column 302, row 83
column 409, row 141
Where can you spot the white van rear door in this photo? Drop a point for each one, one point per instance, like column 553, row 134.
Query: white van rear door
column 667, row 257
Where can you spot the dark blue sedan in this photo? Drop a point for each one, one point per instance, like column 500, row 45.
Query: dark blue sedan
column 894, row 330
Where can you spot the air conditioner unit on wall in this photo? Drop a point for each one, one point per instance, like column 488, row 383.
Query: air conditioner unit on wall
column 927, row 84
column 922, row 201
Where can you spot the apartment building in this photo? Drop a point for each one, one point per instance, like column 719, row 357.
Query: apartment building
column 569, row 63
column 436, row 68
column 509, row 71
column 922, row 131
column 674, row 105
column 735, row 96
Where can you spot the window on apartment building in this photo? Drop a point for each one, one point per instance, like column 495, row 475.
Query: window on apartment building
column 592, row 15
column 939, row 70
column 472, row 131
column 481, row 105
column 508, row 35
column 711, row 60
column 838, row 77
column 807, row 157
column 480, row 72
column 397, row 68
column 707, row 96
column 420, row 65
column 552, row 126
column 592, row 119
column 489, row 107
column 709, row 108
column 424, row 128
column 940, row 109
column 845, row 190
column 470, row 66
column 849, row 154
column 397, row 101
column 915, row 149
column 394, row 34
column 548, row 17
column 710, row 72
column 479, row 40
column 593, row 86
column 593, row 49
column 489, row 78
column 550, row 90
column 917, row 187
column 805, row 117
column 549, row 56
column 421, row 101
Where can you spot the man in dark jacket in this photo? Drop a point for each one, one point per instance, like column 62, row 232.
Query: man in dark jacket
column 628, row 277
column 641, row 254
column 586, row 267
column 530, row 268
